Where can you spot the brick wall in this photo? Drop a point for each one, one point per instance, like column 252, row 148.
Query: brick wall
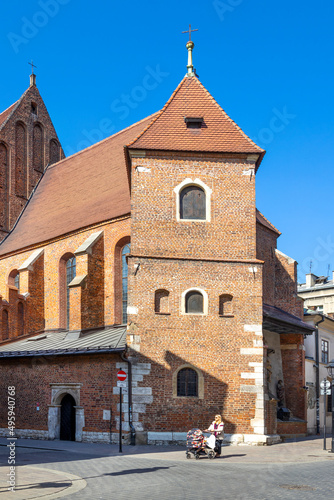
column 266, row 241
column 32, row 378
column 178, row 255
column 45, row 305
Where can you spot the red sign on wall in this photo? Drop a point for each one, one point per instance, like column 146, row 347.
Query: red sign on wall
column 121, row 375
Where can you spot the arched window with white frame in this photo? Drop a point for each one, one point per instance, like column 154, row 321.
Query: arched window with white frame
column 193, row 201
column 194, row 301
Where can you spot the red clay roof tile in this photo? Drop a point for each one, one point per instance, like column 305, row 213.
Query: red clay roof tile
column 89, row 187
column 218, row 133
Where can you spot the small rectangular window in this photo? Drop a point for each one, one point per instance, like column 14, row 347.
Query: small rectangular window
column 324, row 351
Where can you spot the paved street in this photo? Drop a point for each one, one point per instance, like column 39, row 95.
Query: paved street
column 47, row 469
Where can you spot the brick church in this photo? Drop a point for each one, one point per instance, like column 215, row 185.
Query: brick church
column 144, row 252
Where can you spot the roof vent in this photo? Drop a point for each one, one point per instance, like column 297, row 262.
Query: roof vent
column 193, row 122
column 34, row 339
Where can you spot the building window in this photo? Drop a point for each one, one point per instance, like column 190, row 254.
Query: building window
column 4, row 178
column 34, row 108
column 161, row 301
column 54, row 153
column 20, row 160
column 194, row 302
column 17, row 281
column 14, row 279
column 192, row 203
column 4, row 325
column 225, row 305
column 193, row 200
column 38, row 148
column 324, row 351
column 20, row 319
column 70, row 275
column 125, row 252
column 187, row 383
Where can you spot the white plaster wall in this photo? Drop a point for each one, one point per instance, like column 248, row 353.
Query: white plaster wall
column 272, row 340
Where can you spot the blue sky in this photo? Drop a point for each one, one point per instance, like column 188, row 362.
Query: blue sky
column 103, row 65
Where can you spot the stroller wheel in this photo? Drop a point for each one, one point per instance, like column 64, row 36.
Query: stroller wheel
column 197, row 456
column 211, row 454
column 188, row 455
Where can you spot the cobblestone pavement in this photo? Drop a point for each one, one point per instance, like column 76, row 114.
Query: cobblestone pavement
column 131, row 477
column 152, row 473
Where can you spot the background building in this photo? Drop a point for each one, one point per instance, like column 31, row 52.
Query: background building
column 318, row 293
column 319, row 350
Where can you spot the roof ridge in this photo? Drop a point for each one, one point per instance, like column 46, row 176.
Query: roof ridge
column 265, row 218
column 100, row 142
column 15, row 106
column 227, row 116
column 159, row 113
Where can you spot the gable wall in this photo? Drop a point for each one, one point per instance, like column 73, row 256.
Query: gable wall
column 28, row 153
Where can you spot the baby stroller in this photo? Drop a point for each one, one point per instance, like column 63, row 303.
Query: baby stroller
column 198, row 444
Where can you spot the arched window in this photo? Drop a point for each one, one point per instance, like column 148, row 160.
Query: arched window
column 187, row 382
column 192, row 203
column 4, row 325
column 20, row 160
column 70, row 275
column 3, row 186
column 67, row 271
column 225, row 305
column 161, row 301
column 125, row 252
column 194, row 303
column 54, row 151
column 14, row 279
column 38, row 148
column 20, row 319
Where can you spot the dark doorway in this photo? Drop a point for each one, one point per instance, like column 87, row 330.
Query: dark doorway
column 67, row 418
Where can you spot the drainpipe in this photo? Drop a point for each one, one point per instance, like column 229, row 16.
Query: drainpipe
column 132, row 429
column 317, row 375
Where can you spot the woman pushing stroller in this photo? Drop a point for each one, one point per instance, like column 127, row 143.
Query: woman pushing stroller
column 217, row 428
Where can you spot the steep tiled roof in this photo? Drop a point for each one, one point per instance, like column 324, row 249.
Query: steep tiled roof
column 89, row 187
column 262, row 220
column 218, row 133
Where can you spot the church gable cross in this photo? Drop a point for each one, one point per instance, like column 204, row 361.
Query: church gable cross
column 32, row 67
column 189, row 31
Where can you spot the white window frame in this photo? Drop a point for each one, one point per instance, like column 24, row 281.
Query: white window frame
column 205, row 302
column 196, row 182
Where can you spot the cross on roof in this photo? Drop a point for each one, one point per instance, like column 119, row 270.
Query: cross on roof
column 32, row 67
column 189, row 31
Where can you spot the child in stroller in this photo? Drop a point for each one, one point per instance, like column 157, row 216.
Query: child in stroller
column 198, row 444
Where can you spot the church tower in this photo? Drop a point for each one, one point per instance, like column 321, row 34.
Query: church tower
column 195, row 283
column 28, row 144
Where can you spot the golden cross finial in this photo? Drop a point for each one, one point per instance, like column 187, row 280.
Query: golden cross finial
column 189, row 31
